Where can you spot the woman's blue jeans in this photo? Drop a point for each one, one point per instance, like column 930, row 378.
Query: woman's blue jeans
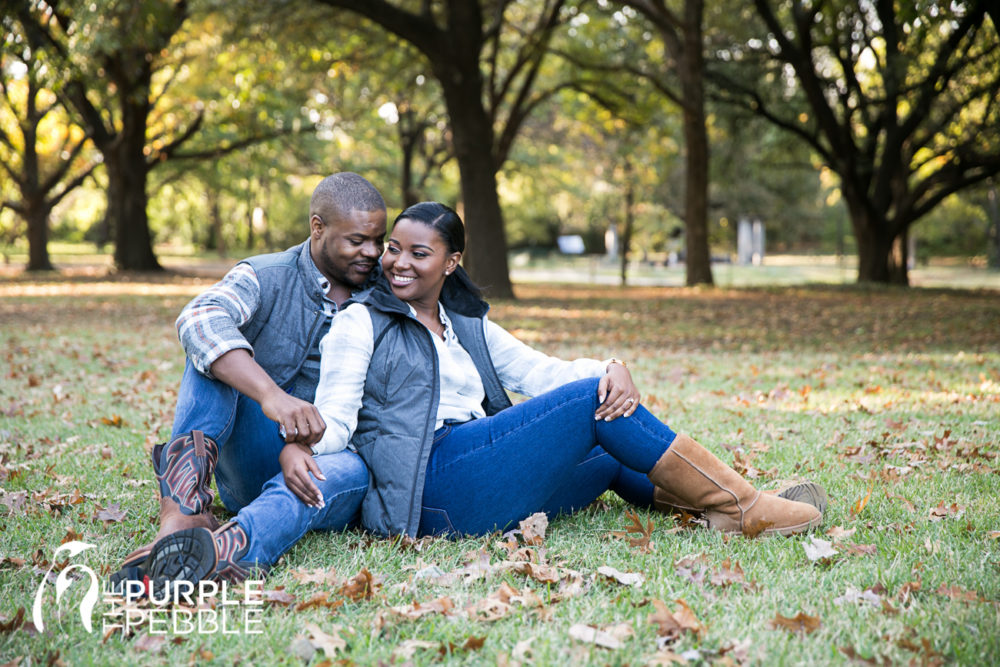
column 249, row 476
column 547, row 452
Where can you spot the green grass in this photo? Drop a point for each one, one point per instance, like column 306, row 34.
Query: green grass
column 889, row 391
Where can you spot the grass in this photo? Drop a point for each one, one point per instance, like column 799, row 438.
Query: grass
column 887, row 397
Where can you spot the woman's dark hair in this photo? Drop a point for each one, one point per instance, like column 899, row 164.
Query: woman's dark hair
column 451, row 229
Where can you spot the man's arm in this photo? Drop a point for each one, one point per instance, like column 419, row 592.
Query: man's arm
column 302, row 421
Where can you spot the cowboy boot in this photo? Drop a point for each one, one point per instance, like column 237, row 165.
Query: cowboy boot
column 690, row 476
column 184, row 469
column 197, row 554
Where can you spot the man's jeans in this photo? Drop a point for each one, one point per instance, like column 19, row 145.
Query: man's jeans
column 249, row 477
column 547, row 452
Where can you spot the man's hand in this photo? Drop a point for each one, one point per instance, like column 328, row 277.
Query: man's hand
column 617, row 393
column 296, row 464
column 300, row 421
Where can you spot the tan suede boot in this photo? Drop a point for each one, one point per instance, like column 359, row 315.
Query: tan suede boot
column 184, row 469
column 690, row 477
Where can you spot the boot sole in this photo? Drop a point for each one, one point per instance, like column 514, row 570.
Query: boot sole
column 187, row 555
column 810, row 493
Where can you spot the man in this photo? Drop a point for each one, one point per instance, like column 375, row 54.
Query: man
column 252, row 345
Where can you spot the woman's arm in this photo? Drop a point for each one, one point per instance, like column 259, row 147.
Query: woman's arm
column 527, row 371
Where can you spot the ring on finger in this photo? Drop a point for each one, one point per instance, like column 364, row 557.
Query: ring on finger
column 630, row 400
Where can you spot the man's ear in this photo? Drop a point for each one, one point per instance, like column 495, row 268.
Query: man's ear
column 315, row 226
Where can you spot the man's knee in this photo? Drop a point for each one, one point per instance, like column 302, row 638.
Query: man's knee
column 343, row 471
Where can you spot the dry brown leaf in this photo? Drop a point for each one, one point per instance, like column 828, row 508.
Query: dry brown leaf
column 330, row 644
column 442, row 605
column 958, row 593
column 624, row 578
column 546, row 574
column 409, row 648
column 320, row 599
column 110, row 514
column 729, row 574
column 642, row 531
column 942, row 511
column 840, row 533
column 361, row 586
column 819, row 550
column 906, row 503
column 319, row 575
column 533, row 528
column 801, row 622
column 148, row 643
column 754, row 529
column 279, row 597
column 611, row 637
column 672, row 624
column 861, row 549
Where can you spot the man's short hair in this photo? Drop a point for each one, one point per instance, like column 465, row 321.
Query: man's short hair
column 339, row 194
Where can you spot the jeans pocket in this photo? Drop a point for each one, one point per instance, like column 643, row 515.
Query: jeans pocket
column 435, row 522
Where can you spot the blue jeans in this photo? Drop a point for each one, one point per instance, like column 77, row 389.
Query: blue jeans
column 248, row 474
column 488, row 474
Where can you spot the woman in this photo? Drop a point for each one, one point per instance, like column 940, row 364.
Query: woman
column 418, row 384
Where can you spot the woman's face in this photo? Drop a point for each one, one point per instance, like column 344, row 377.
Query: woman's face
column 416, row 261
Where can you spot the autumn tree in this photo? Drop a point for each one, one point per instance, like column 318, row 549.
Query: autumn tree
column 487, row 56
column 899, row 100
column 684, row 84
column 42, row 153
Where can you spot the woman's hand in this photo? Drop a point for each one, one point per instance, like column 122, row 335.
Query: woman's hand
column 296, row 464
column 617, row 393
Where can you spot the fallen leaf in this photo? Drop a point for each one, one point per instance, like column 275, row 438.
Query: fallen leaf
column 729, row 574
column 643, row 532
column 442, row 605
column 672, row 624
column 609, row 638
column 322, row 576
column 625, row 578
column 840, row 533
column 361, row 586
column 533, row 528
column 942, row 511
column 409, row 648
column 754, row 529
column 853, row 595
column 801, row 622
column 817, row 549
column 149, row 643
column 110, row 514
column 330, row 644
column 861, row 549
column 958, row 593
column 278, row 597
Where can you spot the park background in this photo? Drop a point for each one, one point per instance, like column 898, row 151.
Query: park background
column 146, row 146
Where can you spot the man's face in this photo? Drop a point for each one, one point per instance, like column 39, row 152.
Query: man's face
column 345, row 249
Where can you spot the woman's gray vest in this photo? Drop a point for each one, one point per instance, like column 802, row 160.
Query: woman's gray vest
column 395, row 428
column 289, row 323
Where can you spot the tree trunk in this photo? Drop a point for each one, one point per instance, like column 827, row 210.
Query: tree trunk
column 629, row 219
column 698, row 262
column 37, row 217
column 993, row 233
column 472, row 134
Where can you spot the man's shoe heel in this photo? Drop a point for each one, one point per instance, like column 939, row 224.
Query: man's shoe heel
column 187, row 555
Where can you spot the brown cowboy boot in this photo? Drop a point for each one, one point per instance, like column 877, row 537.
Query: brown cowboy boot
column 184, row 469
column 690, row 476
column 197, row 554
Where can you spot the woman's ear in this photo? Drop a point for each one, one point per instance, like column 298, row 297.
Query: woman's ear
column 452, row 263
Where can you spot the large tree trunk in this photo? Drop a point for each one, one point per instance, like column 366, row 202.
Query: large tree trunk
column 698, row 262
column 472, row 134
column 127, row 171
column 37, row 216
